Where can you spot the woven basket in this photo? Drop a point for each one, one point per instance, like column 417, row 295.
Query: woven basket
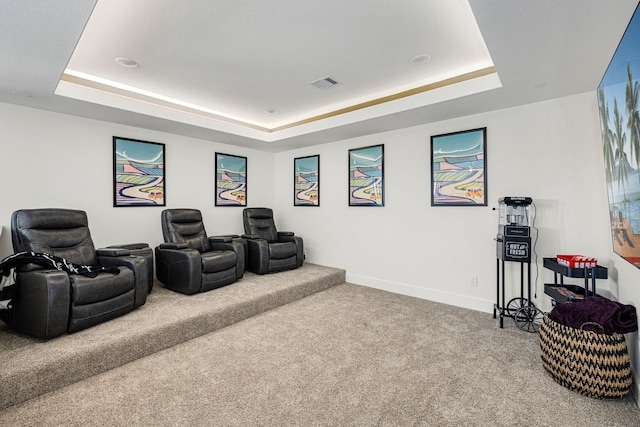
column 595, row 365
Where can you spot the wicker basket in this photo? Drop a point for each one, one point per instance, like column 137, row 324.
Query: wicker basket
column 595, row 365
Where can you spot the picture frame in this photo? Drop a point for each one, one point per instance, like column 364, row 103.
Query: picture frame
column 306, row 181
column 459, row 168
column 366, row 176
column 231, row 180
column 138, row 173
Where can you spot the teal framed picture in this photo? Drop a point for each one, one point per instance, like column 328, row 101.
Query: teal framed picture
column 459, row 168
column 231, row 180
column 138, row 173
column 306, row 181
column 366, row 176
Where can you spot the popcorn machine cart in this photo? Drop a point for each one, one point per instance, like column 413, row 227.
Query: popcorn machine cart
column 513, row 244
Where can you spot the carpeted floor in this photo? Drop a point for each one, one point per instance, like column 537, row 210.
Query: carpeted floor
column 345, row 356
column 31, row 367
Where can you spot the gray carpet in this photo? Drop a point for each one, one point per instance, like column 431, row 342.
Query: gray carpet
column 31, row 367
column 345, row 356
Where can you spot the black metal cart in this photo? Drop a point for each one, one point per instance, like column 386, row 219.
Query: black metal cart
column 562, row 292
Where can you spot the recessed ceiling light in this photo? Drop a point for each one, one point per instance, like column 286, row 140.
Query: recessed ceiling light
column 126, row 62
column 421, row 58
column 271, row 111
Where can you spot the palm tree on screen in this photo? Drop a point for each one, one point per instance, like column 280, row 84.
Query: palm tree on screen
column 632, row 93
column 607, row 141
column 620, row 140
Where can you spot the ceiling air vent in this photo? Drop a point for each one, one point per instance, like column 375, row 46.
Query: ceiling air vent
column 325, row 83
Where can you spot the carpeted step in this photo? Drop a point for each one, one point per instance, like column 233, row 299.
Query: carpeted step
column 32, row 367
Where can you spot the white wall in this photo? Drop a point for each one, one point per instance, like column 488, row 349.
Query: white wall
column 549, row 151
column 56, row 160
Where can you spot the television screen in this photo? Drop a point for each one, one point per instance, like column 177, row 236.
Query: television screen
column 619, row 108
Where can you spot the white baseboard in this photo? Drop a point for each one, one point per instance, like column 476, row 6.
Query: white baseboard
column 457, row 300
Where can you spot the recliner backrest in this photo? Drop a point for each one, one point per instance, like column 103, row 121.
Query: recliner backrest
column 185, row 226
column 259, row 221
column 60, row 232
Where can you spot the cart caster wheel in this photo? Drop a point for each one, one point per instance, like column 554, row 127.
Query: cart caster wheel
column 528, row 318
column 515, row 304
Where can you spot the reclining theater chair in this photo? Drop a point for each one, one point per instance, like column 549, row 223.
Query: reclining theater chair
column 270, row 250
column 190, row 261
column 49, row 302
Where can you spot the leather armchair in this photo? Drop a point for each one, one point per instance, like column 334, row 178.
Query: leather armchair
column 190, row 261
column 50, row 302
column 270, row 250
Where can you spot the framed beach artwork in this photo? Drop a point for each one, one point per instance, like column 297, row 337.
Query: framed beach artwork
column 231, row 180
column 306, row 181
column 619, row 108
column 459, row 168
column 138, row 173
column 366, row 176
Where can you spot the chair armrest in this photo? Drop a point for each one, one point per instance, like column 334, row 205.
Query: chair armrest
column 251, row 237
column 131, row 246
column 179, row 269
column 113, row 252
column 173, row 246
column 220, row 239
column 41, row 304
column 285, row 233
column 140, row 270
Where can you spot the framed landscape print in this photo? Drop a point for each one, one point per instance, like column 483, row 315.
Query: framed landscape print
column 366, row 176
column 459, row 168
column 138, row 173
column 306, row 181
column 231, row 180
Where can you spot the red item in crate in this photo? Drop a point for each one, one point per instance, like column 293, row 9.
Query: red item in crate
column 577, row 261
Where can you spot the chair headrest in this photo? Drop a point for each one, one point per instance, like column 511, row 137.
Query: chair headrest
column 60, row 232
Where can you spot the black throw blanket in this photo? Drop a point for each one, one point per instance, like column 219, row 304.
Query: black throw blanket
column 48, row 260
column 45, row 260
column 597, row 314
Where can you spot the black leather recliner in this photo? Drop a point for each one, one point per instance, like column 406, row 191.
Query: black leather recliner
column 50, row 302
column 270, row 250
column 190, row 261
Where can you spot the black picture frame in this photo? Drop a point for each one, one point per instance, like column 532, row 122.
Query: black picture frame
column 306, row 181
column 231, row 180
column 459, row 168
column 366, row 176
column 138, row 173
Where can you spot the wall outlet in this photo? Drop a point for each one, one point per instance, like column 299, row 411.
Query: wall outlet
column 473, row 280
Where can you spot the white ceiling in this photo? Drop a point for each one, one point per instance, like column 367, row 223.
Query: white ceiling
column 212, row 69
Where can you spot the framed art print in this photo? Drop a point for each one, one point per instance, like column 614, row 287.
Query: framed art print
column 306, row 181
column 459, row 168
column 138, row 173
column 231, row 180
column 366, row 176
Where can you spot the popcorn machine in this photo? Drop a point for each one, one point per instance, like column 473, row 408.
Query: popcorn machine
column 514, row 237
column 513, row 244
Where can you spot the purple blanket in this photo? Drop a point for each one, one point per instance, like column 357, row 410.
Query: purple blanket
column 597, row 314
